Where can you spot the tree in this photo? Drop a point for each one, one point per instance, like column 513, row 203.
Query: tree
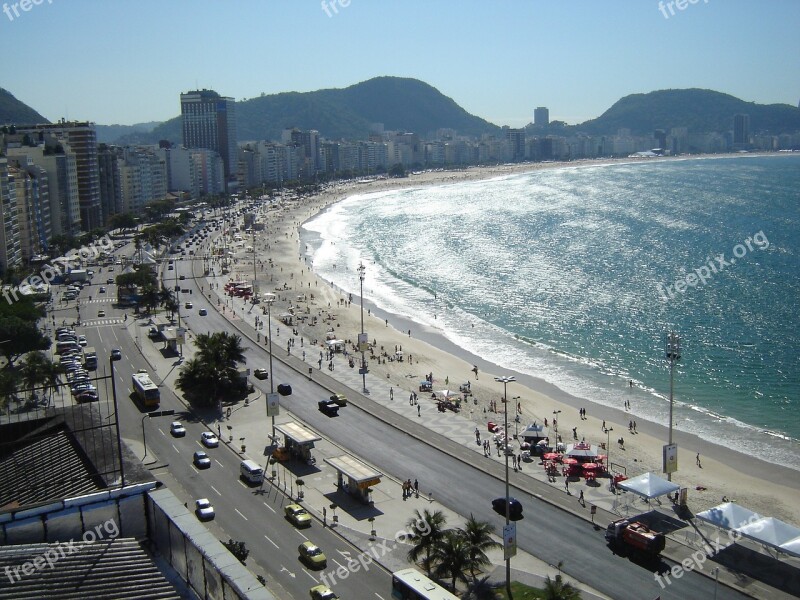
column 238, row 549
column 213, row 373
column 23, row 337
column 122, row 221
column 451, row 555
column 38, row 371
column 8, row 387
column 397, row 170
column 478, row 537
column 558, row 589
column 424, row 545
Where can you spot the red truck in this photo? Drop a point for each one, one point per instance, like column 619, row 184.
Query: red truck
column 635, row 537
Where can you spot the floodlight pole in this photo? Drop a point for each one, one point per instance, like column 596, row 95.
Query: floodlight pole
column 361, row 271
column 116, row 420
column 505, row 381
column 673, row 353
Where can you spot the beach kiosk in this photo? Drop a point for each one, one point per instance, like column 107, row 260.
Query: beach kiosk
column 360, row 477
column 335, row 345
column 299, row 441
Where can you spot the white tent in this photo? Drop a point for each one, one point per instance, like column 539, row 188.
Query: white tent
column 770, row 531
column 649, row 486
column 728, row 515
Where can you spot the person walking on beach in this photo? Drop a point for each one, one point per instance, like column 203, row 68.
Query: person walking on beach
column 419, row 410
column 391, row 393
column 603, row 427
column 416, row 487
column 581, row 500
column 697, row 460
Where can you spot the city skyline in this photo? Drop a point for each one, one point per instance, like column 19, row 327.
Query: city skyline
column 498, row 65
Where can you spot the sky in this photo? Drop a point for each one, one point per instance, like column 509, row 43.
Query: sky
column 124, row 62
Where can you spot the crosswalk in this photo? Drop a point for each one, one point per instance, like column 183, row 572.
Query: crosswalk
column 101, row 322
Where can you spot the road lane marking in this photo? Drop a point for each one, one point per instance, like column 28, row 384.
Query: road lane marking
column 194, row 469
column 240, row 514
column 271, row 542
column 314, row 579
column 340, row 565
column 269, row 507
column 377, row 595
column 301, row 535
column 215, row 489
column 176, row 450
column 219, row 463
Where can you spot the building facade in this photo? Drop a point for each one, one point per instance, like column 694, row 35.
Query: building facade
column 209, row 122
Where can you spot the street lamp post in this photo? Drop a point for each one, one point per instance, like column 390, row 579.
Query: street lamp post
column 362, row 342
column 111, row 361
column 673, row 354
column 505, row 381
column 269, row 299
column 555, row 428
column 608, row 448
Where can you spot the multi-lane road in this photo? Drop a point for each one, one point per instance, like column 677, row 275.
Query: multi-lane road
column 247, row 514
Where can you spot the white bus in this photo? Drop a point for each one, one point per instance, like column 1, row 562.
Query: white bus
column 146, row 390
column 410, row 584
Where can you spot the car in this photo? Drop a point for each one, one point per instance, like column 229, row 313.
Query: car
column 82, row 340
column 110, row 269
column 340, row 399
column 209, row 440
column 515, row 508
column 110, row 281
column 312, row 555
column 188, row 305
column 203, row 312
column 143, row 371
column 86, row 396
column 297, row 515
column 177, row 429
column 102, row 290
column 153, row 332
column 261, row 374
column 201, row 460
column 203, row 509
column 81, row 388
column 170, row 268
column 116, row 354
column 101, row 313
column 322, row 592
column 182, row 277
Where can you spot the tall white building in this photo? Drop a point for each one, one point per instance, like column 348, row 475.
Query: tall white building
column 143, row 179
column 10, row 253
column 209, row 122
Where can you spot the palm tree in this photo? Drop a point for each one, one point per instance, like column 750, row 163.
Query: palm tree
column 424, row 543
column 558, row 589
column 38, row 371
column 8, row 388
column 478, row 536
column 214, row 366
column 451, row 556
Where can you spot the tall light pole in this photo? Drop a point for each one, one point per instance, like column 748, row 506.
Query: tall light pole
column 269, row 299
column 362, row 341
column 111, row 361
column 505, row 381
column 555, row 428
column 608, row 447
column 673, row 354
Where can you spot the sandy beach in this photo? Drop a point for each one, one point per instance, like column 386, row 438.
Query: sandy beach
column 765, row 488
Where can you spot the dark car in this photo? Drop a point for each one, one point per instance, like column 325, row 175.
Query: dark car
column 514, row 505
column 116, row 354
column 261, row 374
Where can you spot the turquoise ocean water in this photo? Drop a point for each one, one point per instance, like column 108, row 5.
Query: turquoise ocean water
column 575, row 274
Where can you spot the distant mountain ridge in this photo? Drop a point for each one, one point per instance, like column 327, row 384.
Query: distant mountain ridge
column 13, row 111
column 412, row 105
column 701, row 111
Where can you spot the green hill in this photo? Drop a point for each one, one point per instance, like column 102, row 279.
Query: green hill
column 14, row 112
column 702, row 111
column 398, row 103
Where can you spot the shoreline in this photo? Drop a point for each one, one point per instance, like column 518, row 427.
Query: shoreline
column 725, row 472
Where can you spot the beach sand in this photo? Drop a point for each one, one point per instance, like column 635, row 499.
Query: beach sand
column 768, row 489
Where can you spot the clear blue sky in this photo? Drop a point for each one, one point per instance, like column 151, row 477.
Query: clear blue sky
column 127, row 62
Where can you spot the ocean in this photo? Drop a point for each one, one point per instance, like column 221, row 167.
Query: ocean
column 575, row 275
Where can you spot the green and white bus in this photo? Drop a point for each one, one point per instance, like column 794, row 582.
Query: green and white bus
column 410, row 584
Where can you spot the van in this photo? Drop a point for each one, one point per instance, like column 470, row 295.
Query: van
column 251, row 471
column 62, row 347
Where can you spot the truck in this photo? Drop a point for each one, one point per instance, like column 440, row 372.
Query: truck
column 78, row 275
column 89, row 358
column 635, row 537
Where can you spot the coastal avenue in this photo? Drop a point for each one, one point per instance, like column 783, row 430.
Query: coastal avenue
column 546, row 532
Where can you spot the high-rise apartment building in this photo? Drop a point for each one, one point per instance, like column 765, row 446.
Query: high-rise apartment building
column 209, row 122
column 108, row 158
column 541, row 116
column 33, row 206
column 10, row 254
column 142, row 179
column 741, row 132
column 82, row 139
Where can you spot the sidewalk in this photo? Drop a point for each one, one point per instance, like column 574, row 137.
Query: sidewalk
column 249, row 422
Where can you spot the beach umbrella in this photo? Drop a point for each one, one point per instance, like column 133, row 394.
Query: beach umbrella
column 570, row 461
column 551, row 456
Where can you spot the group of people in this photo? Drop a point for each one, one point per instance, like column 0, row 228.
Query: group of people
column 410, row 489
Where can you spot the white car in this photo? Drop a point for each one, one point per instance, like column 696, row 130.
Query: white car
column 203, row 509
column 201, row 460
column 82, row 340
column 177, row 429
column 209, row 439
